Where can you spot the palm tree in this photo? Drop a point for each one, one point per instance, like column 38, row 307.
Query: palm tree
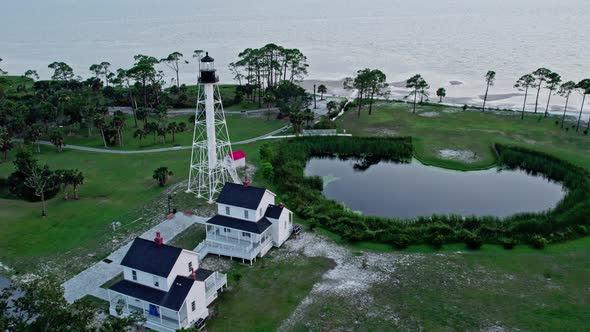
column 490, row 78
column 161, row 174
column 173, row 129
column 99, row 123
column 322, row 89
column 65, row 177
column 541, row 76
column 5, row 142
column 553, row 81
column 584, row 86
column 77, row 180
column 525, row 83
column 58, row 140
column 565, row 90
column 140, row 134
column 441, row 92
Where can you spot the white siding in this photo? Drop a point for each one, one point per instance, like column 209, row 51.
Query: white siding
column 267, row 199
column 197, row 294
column 181, row 266
column 282, row 227
column 145, row 278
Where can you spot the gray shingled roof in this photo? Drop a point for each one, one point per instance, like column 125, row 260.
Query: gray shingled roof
column 241, row 196
column 173, row 299
column 145, row 255
column 244, row 225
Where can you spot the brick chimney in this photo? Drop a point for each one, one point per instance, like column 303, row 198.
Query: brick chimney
column 193, row 274
column 159, row 240
column 246, row 181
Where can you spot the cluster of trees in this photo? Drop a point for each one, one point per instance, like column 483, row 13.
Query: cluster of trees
column 552, row 81
column 32, row 181
column 260, row 70
column 369, row 83
column 34, row 110
column 39, row 305
column 286, row 160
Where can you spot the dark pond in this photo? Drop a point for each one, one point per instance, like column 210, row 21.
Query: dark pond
column 390, row 189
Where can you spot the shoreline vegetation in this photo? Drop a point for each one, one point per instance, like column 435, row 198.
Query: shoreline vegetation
column 566, row 221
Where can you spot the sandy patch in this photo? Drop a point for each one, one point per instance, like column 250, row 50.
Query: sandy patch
column 352, row 276
column 459, row 155
column 501, row 96
column 382, row 131
column 429, row 114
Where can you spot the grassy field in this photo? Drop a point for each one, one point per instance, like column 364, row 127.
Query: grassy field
column 261, row 296
column 434, row 128
column 117, row 188
column 449, row 289
column 240, row 126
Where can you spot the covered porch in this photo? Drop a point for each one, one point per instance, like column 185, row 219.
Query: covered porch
column 233, row 242
column 157, row 317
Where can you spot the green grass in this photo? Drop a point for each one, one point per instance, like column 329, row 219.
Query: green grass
column 240, row 127
column 261, row 296
column 117, row 188
column 473, row 130
column 190, row 238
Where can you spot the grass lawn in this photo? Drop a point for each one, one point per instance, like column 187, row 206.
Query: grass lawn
column 117, row 188
column 436, row 127
column 240, row 126
column 261, row 296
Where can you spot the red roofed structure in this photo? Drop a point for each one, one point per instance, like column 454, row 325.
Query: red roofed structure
column 239, row 158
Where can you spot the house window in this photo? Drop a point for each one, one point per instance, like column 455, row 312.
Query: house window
column 193, row 306
column 226, row 230
column 190, row 266
column 227, row 210
column 244, row 234
column 246, row 214
column 156, row 282
column 134, row 275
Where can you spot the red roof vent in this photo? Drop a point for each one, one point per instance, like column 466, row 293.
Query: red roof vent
column 159, row 240
column 281, row 205
column 237, row 155
column 246, row 181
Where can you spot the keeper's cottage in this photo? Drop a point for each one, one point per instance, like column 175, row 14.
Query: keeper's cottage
column 166, row 285
column 248, row 223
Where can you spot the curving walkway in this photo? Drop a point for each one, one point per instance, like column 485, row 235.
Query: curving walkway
column 174, row 148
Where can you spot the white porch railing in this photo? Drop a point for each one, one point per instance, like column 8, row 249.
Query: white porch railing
column 232, row 247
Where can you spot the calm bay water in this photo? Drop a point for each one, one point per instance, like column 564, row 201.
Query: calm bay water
column 445, row 40
column 391, row 189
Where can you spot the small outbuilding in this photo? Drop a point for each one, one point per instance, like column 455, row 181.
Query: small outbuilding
column 238, row 157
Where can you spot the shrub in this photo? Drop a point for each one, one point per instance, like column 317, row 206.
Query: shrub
column 436, row 241
column 585, row 131
column 400, row 241
column 472, row 241
column 508, row 243
column 538, row 242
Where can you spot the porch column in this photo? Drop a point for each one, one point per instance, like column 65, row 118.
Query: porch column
column 178, row 315
column 160, row 312
column 127, row 303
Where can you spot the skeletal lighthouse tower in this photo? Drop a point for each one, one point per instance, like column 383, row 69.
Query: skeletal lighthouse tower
column 210, row 166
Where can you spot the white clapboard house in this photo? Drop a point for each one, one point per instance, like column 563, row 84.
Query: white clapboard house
column 247, row 224
column 166, row 285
